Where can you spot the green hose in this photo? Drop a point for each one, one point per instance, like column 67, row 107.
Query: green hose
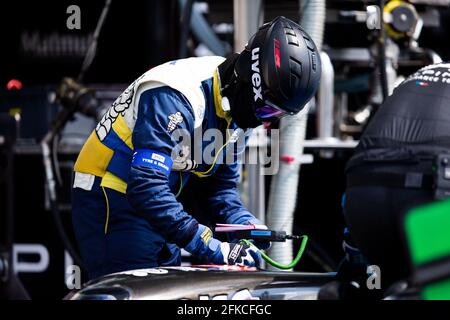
column 277, row 264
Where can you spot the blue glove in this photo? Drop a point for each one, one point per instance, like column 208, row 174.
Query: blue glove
column 204, row 245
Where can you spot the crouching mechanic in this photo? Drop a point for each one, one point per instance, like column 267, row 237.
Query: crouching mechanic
column 394, row 169
column 131, row 174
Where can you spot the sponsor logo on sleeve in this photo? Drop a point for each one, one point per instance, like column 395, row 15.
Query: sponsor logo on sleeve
column 158, row 157
column 152, row 159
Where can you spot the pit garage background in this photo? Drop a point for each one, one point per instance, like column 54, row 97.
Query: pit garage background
column 38, row 50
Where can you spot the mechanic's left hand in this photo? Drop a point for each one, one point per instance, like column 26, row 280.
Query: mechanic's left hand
column 239, row 254
column 216, row 252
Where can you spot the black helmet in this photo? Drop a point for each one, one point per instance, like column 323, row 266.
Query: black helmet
column 279, row 70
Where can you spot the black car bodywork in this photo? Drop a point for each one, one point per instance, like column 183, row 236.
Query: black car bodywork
column 204, row 283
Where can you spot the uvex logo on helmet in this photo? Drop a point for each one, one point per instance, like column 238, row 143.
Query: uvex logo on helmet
column 256, row 76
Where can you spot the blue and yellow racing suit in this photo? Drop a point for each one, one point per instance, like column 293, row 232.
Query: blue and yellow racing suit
column 131, row 174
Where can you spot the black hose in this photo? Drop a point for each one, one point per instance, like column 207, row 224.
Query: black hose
column 53, row 198
column 382, row 54
column 317, row 253
column 59, row 124
column 185, row 23
column 92, row 50
column 319, row 256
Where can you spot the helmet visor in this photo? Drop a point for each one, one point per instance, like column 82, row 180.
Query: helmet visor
column 269, row 112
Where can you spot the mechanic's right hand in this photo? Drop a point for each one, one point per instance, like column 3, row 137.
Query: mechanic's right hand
column 204, row 245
